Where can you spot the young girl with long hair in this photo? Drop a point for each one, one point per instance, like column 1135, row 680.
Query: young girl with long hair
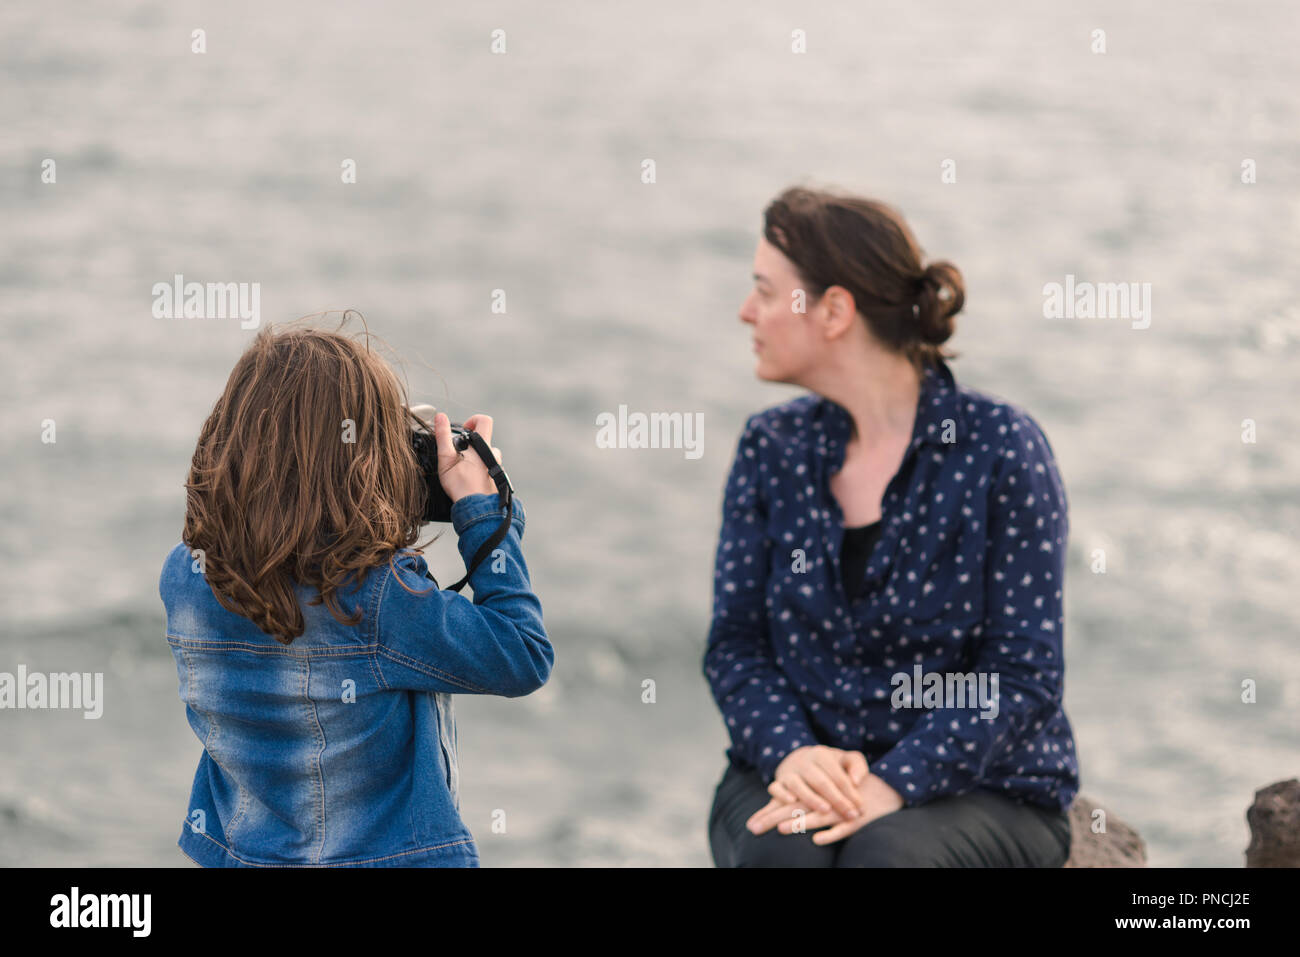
column 316, row 655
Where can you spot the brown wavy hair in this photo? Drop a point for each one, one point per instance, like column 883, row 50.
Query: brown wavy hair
column 866, row 247
column 303, row 473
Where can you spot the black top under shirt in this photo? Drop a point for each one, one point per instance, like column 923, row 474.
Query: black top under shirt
column 858, row 544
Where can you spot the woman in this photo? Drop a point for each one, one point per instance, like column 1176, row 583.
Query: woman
column 316, row 655
column 889, row 526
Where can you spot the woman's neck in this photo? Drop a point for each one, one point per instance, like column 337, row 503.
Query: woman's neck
column 879, row 389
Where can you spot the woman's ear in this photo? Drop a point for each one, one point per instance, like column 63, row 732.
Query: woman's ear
column 839, row 311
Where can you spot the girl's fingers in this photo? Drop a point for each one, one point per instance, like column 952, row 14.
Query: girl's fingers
column 447, row 454
column 482, row 424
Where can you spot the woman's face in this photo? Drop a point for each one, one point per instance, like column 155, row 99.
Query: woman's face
column 785, row 341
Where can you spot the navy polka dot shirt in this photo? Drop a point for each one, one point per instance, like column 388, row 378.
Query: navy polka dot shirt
column 966, row 579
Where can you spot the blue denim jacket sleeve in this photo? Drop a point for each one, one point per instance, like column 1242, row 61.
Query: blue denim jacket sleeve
column 742, row 672
column 432, row 639
column 949, row 750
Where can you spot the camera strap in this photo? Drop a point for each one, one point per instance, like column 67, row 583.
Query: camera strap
column 505, row 495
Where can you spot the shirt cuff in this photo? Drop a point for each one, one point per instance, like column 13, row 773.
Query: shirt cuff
column 907, row 773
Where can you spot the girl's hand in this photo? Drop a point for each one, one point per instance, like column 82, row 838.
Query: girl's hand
column 463, row 473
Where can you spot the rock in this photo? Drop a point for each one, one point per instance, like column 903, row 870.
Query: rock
column 1274, row 821
column 1118, row 846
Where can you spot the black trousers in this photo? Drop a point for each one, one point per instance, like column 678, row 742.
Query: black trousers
column 980, row 828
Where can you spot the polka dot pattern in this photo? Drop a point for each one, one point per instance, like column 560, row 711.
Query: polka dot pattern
column 967, row 577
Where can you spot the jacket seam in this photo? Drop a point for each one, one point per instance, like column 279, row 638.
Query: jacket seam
column 377, row 606
column 198, row 644
column 376, row 598
column 409, row 662
column 427, row 669
column 353, row 863
column 378, row 669
column 471, row 522
column 241, row 809
column 213, row 733
column 443, row 707
column 374, row 672
column 370, row 628
column 318, row 779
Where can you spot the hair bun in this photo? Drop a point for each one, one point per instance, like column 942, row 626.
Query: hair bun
column 940, row 296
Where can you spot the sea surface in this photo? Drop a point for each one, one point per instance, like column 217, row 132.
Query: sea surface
column 523, row 172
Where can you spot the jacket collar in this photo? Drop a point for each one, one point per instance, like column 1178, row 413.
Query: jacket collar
column 938, row 402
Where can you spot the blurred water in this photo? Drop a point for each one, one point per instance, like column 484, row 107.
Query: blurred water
column 521, row 172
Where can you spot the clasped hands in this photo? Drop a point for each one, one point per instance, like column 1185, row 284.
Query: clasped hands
column 824, row 787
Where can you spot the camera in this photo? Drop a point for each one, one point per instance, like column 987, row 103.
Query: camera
column 437, row 504
column 437, row 507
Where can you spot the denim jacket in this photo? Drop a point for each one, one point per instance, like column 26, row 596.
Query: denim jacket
column 340, row 748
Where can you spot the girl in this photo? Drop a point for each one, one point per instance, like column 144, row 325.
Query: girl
column 316, row 654
column 886, row 645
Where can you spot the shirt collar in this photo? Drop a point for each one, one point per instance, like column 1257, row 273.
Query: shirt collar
column 938, row 402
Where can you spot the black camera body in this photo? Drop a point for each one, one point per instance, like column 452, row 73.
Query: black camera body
column 437, row 504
